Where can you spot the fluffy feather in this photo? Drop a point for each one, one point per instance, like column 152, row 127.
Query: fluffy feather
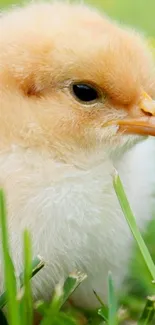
column 56, row 156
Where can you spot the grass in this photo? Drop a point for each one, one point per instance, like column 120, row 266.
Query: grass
column 132, row 224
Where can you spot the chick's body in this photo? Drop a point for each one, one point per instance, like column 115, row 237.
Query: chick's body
column 57, row 158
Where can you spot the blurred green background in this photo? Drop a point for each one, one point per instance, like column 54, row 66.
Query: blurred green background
column 141, row 15
column 138, row 13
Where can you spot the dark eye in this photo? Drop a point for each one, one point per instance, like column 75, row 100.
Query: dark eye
column 84, row 92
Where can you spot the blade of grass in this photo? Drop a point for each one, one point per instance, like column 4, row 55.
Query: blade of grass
column 71, row 283
column 41, row 307
column 37, row 265
column 10, row 280
column 62, row 293
column 27, row 299
column 3, row 320
column 3, row 300
column 22, row 306
column 64, row 319
column 132, row 223
column 103, row 310
column 54, row 307
column 148, row 312
column 112, row 303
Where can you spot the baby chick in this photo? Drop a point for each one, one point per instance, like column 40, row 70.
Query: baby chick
column 75, row 91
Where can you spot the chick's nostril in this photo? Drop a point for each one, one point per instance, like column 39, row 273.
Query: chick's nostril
column 147, row 107
column 146, row 113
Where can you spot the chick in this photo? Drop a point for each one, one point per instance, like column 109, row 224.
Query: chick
column 75, row 91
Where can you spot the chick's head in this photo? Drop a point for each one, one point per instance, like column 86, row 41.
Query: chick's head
column 72, row 79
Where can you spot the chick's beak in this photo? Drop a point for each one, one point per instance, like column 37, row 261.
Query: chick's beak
column 144, row 122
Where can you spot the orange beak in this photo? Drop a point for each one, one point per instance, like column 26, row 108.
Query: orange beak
column 144, row 122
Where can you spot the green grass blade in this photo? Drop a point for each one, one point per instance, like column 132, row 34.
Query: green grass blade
column 132, row 224
column 71, row 283
column 103, row 310
column 22, row 307
column 27, row 299
column 41, row 307
column 112, row 303
column 10, row 280
column 54, row 307
column 64, row 319
column 3, row 300
column 148, row 313
column 62, row 293
column 3, row 320
column 37, row 265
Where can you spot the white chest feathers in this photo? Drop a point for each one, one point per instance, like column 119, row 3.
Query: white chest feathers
column 74, row 216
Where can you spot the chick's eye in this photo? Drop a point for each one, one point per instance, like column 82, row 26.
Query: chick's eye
column 85, row 93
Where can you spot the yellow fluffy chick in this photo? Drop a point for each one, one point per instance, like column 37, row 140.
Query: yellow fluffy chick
column 76, row 101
